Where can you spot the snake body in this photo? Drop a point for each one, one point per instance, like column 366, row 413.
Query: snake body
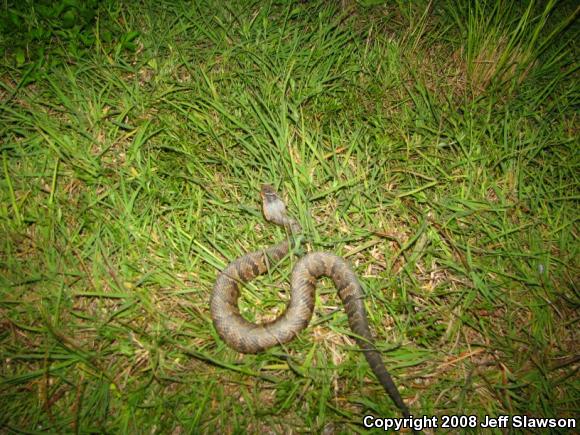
column 247, row 337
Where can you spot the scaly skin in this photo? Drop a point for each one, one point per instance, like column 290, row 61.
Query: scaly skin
column 249, row 337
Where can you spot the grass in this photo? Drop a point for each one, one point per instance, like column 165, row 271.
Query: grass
column 433, row 145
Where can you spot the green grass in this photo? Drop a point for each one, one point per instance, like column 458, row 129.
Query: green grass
column 432, row 144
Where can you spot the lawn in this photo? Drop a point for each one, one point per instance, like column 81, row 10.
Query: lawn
column 434, row 145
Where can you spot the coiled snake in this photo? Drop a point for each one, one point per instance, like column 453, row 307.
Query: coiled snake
column 248, row 337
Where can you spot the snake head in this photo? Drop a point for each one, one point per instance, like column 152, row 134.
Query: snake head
column 274, row 209
column 272, row 205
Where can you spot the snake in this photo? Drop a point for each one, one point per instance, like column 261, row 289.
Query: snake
column 251, row 338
